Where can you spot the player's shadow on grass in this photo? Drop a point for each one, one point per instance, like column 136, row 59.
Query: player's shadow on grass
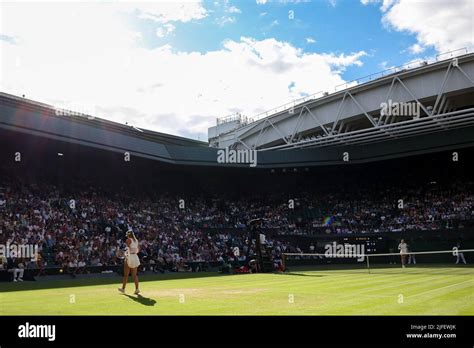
column 304, row 274
column 142, row 300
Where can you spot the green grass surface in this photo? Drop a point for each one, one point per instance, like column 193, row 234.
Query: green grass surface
column 411, row 291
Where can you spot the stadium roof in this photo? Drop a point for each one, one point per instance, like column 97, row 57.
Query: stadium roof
column 28, row 104
column 441, row 91
column 20, row 117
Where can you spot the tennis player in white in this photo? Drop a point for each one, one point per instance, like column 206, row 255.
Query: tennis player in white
column 403, row 247
column 131, row 262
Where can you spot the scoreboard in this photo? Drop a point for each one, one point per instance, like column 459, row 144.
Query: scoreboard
column 372, row 244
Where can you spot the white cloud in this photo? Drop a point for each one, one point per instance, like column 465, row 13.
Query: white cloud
column 165, row 11
column 56, row 58
column 384, row 66
column 366, row 2
column 416, row 48
column 442, row 24
column 310, row 40
column 233, row 9
column 166, row 29
column 343, row 60
column 386, row 4
column 263, row 2
column 225, row 20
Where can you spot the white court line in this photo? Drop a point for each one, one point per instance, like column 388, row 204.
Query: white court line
column 444, row 287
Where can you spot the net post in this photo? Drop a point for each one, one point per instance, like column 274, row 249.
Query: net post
column 368, row 264
column 283, row 261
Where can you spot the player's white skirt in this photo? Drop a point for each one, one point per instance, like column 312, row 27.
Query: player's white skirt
column 133, row 261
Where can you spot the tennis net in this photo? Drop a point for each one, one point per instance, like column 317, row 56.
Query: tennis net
column 351, row 260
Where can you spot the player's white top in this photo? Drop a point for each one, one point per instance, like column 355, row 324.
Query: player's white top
column 403, row 247
column 133, row 249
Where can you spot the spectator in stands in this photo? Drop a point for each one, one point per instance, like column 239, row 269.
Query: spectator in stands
column 90, row 234
column 3, row 263
column 18, row 268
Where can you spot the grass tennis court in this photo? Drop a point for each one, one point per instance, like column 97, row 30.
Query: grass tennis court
column 411, row 291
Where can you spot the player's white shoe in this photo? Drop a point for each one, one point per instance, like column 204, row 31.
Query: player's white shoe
column 121, row 290
column 137, row 292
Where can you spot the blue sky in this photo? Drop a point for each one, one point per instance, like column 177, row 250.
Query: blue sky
column 176, row 66
column 339, row 27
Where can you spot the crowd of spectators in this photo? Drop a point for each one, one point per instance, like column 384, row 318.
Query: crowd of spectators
column 85, row 227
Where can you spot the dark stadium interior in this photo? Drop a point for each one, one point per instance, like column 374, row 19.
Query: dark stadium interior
column 40, row 161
